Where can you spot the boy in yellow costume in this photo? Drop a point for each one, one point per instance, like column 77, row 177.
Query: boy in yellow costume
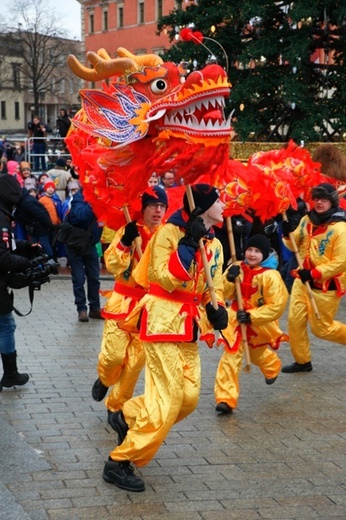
column 264, row 299
column 170, row 319
column 321, row 241
column 122, row 357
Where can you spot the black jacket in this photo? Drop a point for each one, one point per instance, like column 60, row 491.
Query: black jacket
column 10, row 250
column 31, row 214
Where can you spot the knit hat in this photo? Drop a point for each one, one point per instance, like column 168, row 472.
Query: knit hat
column 73, row 185
column 204, row 196
column 10, row 191
column 154, row 194
column 326, row 191
column 260, row 242
column 49, row 184
column 60, row 162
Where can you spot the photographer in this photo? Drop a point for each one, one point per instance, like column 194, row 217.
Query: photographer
column 14, row 258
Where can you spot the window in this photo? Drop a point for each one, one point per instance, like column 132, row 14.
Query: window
column 105, row 20
column 16, row 110
column 141, row 12
column 53, row 85
column 91, row 24
column 120, row 16
column 3, row 110
column 62, row 86
column 71, row 86
column 158, row 9
column 16, row 75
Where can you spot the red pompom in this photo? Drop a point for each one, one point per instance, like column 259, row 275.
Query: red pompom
column 197, row 37
column 185, row 34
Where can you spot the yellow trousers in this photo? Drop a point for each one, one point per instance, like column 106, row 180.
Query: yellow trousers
column 121, row 361
column 226, row 388
column 172, row 388
column 301, row 312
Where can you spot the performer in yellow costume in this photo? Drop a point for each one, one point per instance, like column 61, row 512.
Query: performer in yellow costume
column 122, row 357
column 170, row 317
column 264, row 299
column 321, row 240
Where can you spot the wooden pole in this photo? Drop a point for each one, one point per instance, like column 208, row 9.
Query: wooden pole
column 203, row 253
column 247, row 367
column 136, row 240
column 300, row 265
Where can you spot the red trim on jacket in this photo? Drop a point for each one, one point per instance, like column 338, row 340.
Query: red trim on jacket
column 177, row 269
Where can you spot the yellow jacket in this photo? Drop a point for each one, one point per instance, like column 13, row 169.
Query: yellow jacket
column 323, row 250
column 176, row 298
column 264, row 297
column 120, row 261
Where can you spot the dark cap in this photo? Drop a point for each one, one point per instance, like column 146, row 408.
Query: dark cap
column 204, row 196
column 260, row 242
column 152, row 195
column 326, row 191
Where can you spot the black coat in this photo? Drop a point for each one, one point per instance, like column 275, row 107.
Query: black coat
column 32, row 215
column 10, row 254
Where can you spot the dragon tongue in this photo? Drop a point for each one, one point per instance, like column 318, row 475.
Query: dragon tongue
column 214, row 115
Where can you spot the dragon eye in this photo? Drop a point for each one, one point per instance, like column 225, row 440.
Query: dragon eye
column 159, row 86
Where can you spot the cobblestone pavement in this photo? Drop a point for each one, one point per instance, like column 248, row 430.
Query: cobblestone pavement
column 281, row 455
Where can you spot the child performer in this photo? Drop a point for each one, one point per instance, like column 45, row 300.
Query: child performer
column 264, row 299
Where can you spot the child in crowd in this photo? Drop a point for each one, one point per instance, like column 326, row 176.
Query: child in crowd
column 52, row 203
column 264, row 299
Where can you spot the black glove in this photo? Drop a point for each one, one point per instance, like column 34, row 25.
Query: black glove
column 243, row 317
column 217, row 317
column 305, row 275
column 233, row 272
column 195, row 230
column 130, row 233
column 286, row 227
column 271, row 228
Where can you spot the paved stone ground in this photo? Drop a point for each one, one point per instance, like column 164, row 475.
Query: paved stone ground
column 281, row 455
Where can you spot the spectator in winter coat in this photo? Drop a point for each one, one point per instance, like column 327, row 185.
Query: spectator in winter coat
column 13, row 259
column 34, row 217
column 86, row 265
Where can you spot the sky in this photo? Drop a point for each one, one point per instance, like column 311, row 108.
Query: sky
column 66, row 10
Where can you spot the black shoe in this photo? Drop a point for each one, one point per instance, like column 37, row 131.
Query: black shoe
column 121, row 474
column 95, row 314
column 271, row 380
column 223, row 408
column 119, row 425
column 297, row 367
column 15, row 379
column 99, row 390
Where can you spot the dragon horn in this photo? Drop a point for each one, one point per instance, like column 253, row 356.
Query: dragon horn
column 81, row 71
column 103, row 65
column 108, row 67
column 145, row 60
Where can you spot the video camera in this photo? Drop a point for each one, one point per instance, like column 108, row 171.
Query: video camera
column 34, row 276
column 41, row 267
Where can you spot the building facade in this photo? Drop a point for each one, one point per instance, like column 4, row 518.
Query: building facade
column 131, row 24
column 17, row 105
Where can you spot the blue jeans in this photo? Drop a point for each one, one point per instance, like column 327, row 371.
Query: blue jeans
column 85, row 267
column 39, row 151
column 7, row 328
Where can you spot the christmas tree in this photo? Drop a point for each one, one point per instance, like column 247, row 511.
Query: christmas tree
column 286, row 62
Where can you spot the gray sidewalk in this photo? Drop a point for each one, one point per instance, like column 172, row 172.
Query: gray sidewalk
column 281, row 455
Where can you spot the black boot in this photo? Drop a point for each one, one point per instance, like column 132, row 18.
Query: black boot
column 11, row 375
column 99, row 390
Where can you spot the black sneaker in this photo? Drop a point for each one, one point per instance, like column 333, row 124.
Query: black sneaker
column 99, row 390
column 119, row 425
column 271, row 380
column 297, row 367
column 223, row 408
column 122, row 475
